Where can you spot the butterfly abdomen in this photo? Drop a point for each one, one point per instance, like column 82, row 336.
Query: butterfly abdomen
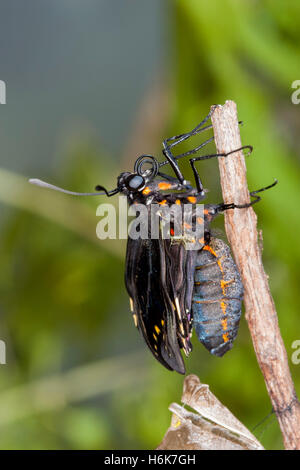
column 217, row 297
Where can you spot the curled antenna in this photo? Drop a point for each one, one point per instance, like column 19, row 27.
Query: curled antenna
column 43, row 184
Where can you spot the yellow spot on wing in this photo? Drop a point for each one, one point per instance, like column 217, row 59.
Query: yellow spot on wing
column 162, row 203
column 154, row 336
column 135, row 320
column 131, row 303
column 162, row 322
column 178, row 202
column 192, row 199
column 179, row 315
column 178, row 307
column 157, row 329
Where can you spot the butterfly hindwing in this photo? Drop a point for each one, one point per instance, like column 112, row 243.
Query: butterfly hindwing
column 150, row 281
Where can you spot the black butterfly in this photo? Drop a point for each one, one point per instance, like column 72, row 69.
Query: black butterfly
column 172, row 288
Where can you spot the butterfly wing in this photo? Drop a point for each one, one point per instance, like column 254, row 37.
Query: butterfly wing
column 155, row 272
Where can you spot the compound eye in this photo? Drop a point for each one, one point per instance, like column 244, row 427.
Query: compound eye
column 135, row 182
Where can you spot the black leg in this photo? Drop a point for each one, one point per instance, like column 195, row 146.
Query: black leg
column 169, row 143
column 264, row 189
column 198, row 181
column 213, row 155
column 224, row 207
column 171, row 159
column 206, row 157
column 167, row 177
column 180, row 138
column 196, row 149
column 190, row 152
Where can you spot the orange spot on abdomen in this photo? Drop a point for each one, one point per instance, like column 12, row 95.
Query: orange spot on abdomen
column 225, row 337
column 224, row 324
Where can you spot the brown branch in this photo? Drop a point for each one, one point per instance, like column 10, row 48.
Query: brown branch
column 261, row 314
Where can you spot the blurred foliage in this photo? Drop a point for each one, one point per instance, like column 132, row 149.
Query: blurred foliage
column 79, row 375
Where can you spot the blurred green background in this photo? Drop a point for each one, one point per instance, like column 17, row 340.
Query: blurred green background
column 90, row 86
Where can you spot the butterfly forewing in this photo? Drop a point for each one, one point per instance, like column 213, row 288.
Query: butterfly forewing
column 155, row 281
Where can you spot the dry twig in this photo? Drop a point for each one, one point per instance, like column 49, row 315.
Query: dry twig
column 260, row 309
